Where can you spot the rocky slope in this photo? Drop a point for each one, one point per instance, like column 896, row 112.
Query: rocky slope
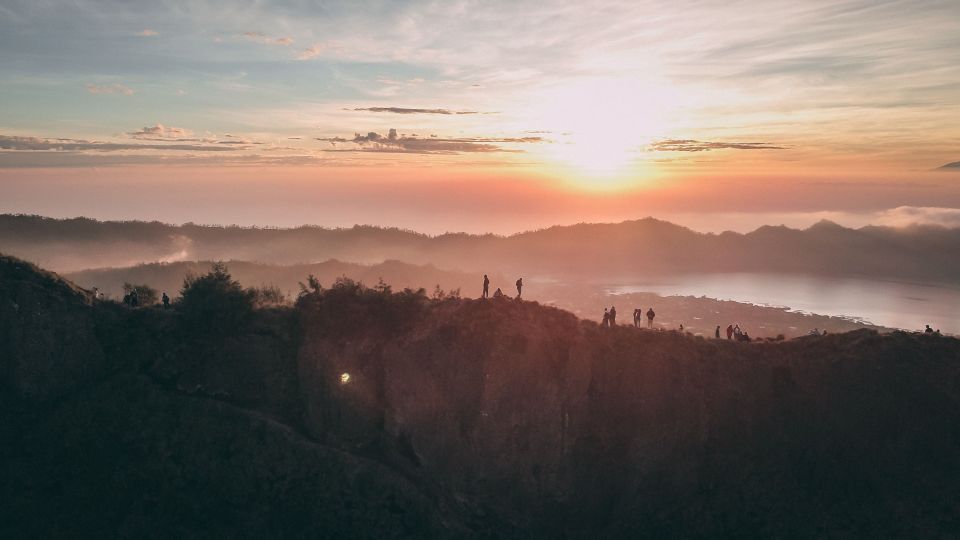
column 460, row 419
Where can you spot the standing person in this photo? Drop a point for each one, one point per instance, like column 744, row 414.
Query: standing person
column 729, row 331
column 636, row 317
column 716, row 333
column 166, row 300
column 613, row 316
column 486, row 286
column 650, row 316
column 606, row 318
column 519, row 287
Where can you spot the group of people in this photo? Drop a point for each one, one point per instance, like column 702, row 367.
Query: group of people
column 610, row 317
column 132, row 298
column 733, row 332
column 498, row 293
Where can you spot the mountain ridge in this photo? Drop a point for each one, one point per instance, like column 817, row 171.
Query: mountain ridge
column 461, row 419
column 586, row 252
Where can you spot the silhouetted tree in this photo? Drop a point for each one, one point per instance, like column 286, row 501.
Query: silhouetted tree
column 268, row 295
column 215, row 302
column 146, row 295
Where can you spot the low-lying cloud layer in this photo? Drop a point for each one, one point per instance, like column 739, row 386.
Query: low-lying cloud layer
column 690, row 145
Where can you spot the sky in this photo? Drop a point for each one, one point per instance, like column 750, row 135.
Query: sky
column 482, row 116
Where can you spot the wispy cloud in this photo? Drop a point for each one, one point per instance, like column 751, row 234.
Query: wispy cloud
column 264, row 39
column 161, row 132
column 109, row 89
column 690, row 145
column 312, row 51
column 393, row 142
column 17, row 143
column 405, row 110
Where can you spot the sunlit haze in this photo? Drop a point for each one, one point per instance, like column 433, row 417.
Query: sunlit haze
column 493, row 116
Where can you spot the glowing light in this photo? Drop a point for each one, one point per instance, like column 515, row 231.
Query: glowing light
column 344, row 378
column 601, row 126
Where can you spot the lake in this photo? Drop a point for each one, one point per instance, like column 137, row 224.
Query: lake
column 886, row 303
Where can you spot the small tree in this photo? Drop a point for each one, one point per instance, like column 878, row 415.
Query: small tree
column 215, row 302
column 145, row 294
column 268, row 295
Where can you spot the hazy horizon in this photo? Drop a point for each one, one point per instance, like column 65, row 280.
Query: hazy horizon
column 492, row 117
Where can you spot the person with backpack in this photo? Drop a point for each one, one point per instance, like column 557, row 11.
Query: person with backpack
column 650, row 316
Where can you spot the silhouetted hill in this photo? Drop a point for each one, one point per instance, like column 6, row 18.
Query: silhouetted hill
column 169, row 276
column 459, row 419
column 579, row 252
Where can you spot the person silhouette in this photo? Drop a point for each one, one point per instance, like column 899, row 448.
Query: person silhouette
column 636, row 317
column 613, row 316
column 166, row 300
column 497, row 293
column 729, row 331
column 606, row 318
column 650, row 316
column 716, row 333
column 928, row 330
column 486, row 286
column 519, row 287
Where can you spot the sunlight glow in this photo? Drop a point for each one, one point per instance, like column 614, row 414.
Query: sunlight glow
column 601, row 126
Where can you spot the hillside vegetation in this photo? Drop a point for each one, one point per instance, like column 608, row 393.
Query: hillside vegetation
column 369, row 413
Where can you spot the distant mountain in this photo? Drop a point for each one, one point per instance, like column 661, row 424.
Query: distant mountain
column 360, row 414
column 954, row 165
column 578, row 252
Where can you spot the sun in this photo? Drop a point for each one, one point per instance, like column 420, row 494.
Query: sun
column 600, row 127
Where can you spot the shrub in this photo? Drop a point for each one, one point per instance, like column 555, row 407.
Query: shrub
column 268, row 296
column 215, row 302
column 145, row 294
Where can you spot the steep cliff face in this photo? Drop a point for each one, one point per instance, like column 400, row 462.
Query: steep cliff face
column 367, row 414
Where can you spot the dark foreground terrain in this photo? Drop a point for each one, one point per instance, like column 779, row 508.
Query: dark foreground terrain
column 459, row 419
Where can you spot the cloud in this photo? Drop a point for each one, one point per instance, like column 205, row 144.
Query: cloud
column 955, row 166
column 392, row 142
column 264, row 39
column 689, row 145
column 16, row 143
column 904, row 216
column 405, row 110
column 312, row 51
column 161, row 132
column 110, row 89
column 146, row 32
